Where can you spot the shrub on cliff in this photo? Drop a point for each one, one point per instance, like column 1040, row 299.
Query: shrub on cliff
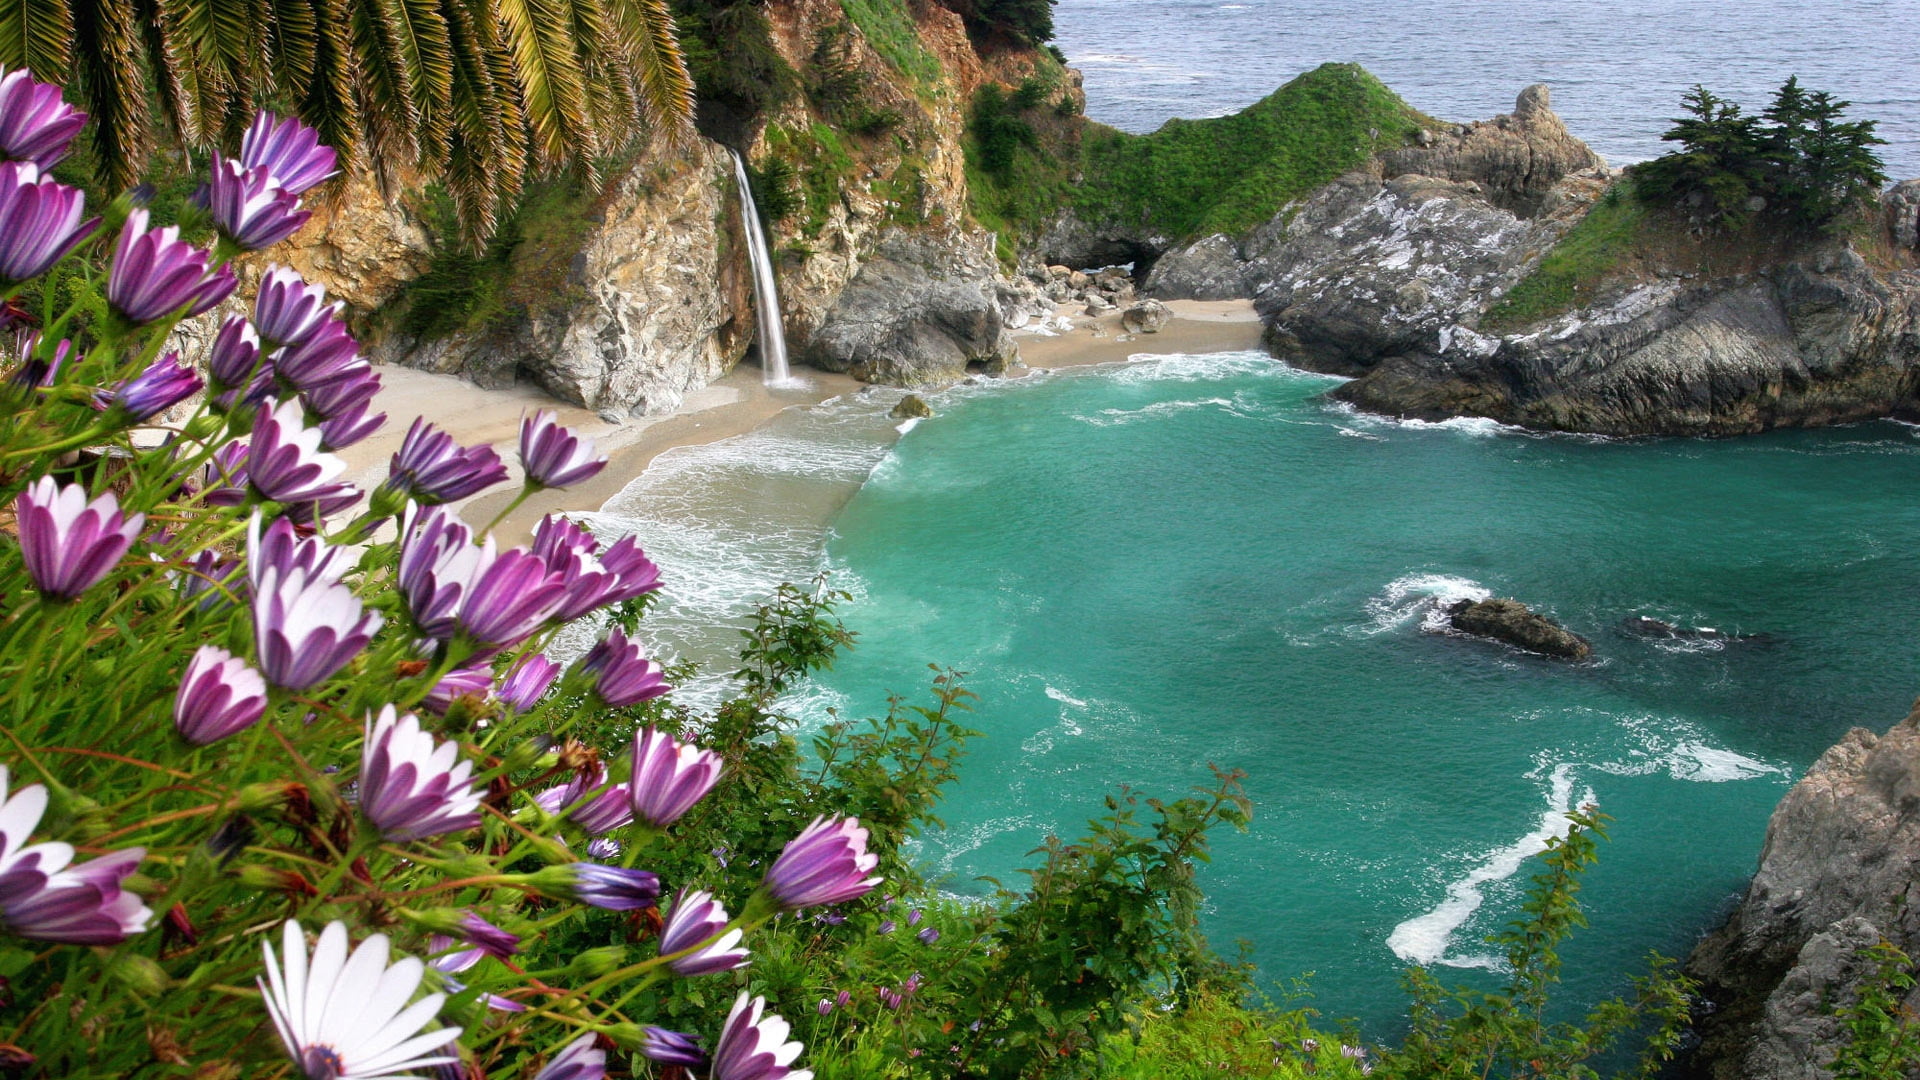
column 1798, row 162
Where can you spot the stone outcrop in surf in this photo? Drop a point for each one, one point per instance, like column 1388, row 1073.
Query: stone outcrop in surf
column 1512, row 622
column 1837, row 875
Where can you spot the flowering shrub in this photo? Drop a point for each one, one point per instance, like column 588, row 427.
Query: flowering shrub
column 263, row 769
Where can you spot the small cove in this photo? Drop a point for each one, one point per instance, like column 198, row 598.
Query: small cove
column 1194, row 559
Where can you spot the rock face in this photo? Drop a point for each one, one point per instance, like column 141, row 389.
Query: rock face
column 1371, row 268
column 1516, row 624
column 921, row 312
column 1821, row 341
column 1517, row 159
column 1841, row 860
column 651, row 305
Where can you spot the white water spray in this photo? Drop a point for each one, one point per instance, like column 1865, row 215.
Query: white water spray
column 766, row 294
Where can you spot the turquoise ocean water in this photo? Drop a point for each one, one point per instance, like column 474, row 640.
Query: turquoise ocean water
column 1194, row 559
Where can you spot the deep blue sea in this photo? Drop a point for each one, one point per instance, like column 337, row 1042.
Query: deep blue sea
column 1190, row 560
column 1617, row 69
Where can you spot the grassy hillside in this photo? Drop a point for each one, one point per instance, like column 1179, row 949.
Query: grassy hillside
column 1194, row 177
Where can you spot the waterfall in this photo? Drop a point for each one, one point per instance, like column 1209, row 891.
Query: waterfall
column 766, row 294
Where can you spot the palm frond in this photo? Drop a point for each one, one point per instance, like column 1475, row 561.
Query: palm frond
column 36, row 35
column 113, row 85
column 659, row 67
column 328, row 102
column 291, row 41
column 537, row 36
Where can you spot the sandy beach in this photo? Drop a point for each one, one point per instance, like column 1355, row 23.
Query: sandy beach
column 735, row 404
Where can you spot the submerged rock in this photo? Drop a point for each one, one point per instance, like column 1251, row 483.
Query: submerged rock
column 911, row 407
column 1642, row 626
column 1841, row 858
column 1514, row 623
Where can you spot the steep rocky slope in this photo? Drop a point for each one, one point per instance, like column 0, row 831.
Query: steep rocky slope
column 1841, row 860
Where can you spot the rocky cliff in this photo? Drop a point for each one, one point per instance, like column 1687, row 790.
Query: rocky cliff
column 1841, row 860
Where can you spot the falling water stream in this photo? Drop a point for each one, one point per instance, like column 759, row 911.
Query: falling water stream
column 766, row 293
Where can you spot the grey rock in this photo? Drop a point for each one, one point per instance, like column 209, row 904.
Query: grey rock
column 919, row 313
column 1145, row 317
column 1903, row 215
column 1097, row 304
column 1517, row 159
column 1209, row 268
column 1514, row 623
column 1841, row 857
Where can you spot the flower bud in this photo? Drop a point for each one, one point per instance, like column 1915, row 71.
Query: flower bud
column 139, row 973
column 272, row 879
column 593, row 963
column 270, row 796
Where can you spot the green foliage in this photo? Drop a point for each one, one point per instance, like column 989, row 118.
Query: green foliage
column 776, row 189
column 1582, row 259
column 1470, row 1035
column 731, row 55
column 523, row 267
column 1807, row 165
column 1194, row 177
column 1026, row 22
column 839, row 90
column 1881, row 1031
column 1215, row 1035
column 822, row 163
column 999, row 130
column 890, row 29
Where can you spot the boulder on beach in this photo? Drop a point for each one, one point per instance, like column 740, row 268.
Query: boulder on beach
column 1145, row 317
column 1516, row 624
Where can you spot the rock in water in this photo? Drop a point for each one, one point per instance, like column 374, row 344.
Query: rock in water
column 1841, row 858
column 1145, row 317
column 911, row 407
column 1518, row 625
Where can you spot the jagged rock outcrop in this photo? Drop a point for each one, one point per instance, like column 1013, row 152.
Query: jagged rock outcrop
column 1371, row 268
column 921, row 312
column 1145, row 317
column 651, row 306
column 1516, row 624
column 1822, row 340
column 1488, row 197
column 1837, row 874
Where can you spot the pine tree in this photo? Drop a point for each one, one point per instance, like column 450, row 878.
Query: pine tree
column 1722, row 162
column 1836, row 161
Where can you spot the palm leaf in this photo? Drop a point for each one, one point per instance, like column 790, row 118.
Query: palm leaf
column 537, row 36
column 35, row 34
column 420, row 37
column 659, row 67
column 291, row 41
column 385, row 86
column 177, row 82
column 106, row 38
column 328, row 103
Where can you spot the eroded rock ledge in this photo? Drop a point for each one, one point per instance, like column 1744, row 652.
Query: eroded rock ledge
column 1836, row 875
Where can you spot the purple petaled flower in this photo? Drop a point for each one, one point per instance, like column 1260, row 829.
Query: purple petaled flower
column 603, row 848
column 585, row 804
column 593, row 579
column 43, row 898
column 287, row 150
column 165, row 383
column 276, row 546
column 826, row 864
column 287, row 310
column 38, row 372
column 346, row 1016
column 431, row 468
column 697, row 919
column 669, row 777
column 612, row 888
column 284, row 461
column 928, row 935
column 450, row 962
column 553, row 456
column 579, row 1060
column 156, row 274
column 219, row 695
column 306, row 624
column 487, row 937
column 511, row 596
column 234, row 360
column 913, row 917
column 249, row 207
column 328, row 353
column 825, row 1007
column 208, row 576
column 35, row 124
column 68, row 543
column 843, row 997
column 437, row 561
column 886, row 926
column 349, row 427
column 353, row 388
column 624, row 675
column 753, row 1045
column 458, row 683
column 412, row 787
column 527, row 681
column 39, row 222
column 672, row 1048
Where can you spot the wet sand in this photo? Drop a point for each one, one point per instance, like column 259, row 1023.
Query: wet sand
column 735, row 404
